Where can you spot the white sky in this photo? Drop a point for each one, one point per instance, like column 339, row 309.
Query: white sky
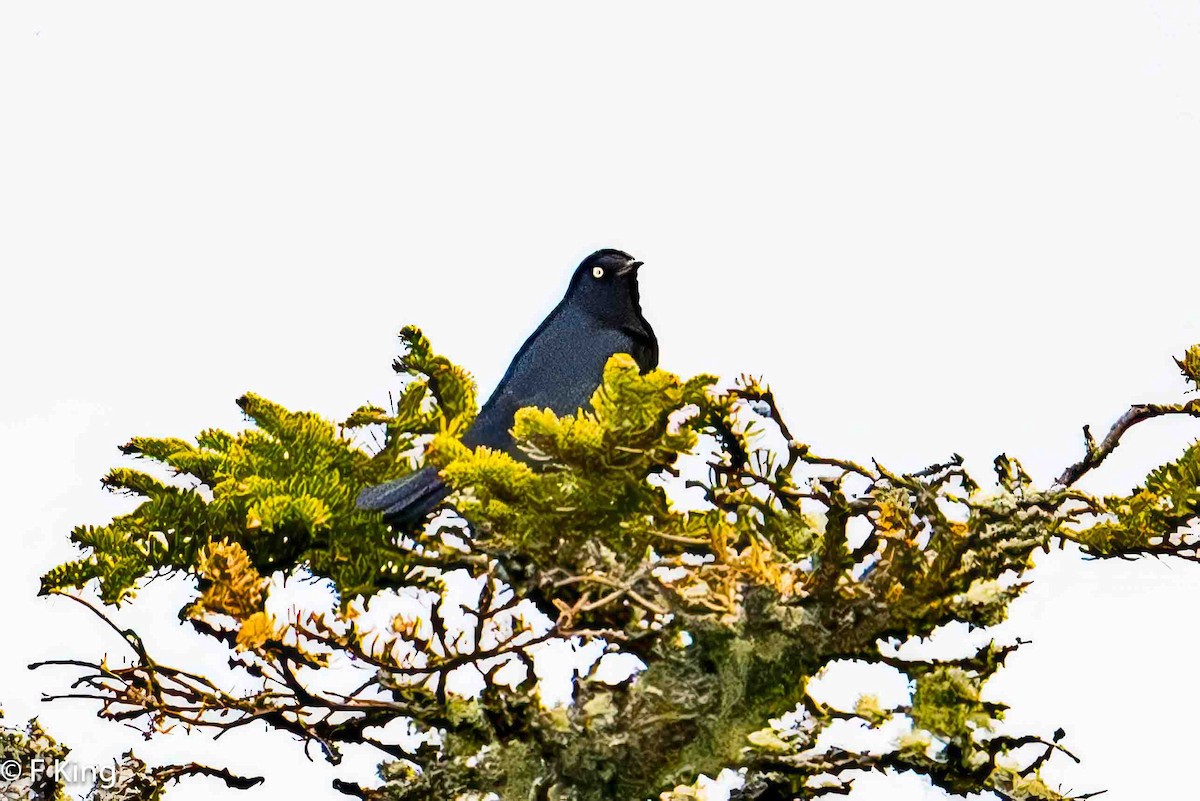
column 932, row 226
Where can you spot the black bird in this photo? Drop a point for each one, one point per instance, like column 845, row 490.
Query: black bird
column 558, row 367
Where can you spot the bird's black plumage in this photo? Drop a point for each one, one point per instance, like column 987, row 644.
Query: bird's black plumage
column 558, row 368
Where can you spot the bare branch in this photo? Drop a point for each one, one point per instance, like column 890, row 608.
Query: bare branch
column 1097, row 453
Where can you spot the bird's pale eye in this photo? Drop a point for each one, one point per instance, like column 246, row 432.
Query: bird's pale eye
column 597, row 272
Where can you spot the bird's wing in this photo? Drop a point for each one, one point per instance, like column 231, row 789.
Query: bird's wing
column 643, row 345
column 519, row 386
column 557, row 368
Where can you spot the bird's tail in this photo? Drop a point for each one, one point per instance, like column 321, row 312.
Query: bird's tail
column 406, row 501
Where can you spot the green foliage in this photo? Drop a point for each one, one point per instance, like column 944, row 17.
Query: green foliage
column 284, row 490
column 1190, row 365
column 1154, row 517
column 783, row 563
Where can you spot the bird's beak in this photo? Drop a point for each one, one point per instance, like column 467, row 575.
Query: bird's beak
column 628, row 268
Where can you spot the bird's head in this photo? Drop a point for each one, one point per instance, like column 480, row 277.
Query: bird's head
column 605, row 284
